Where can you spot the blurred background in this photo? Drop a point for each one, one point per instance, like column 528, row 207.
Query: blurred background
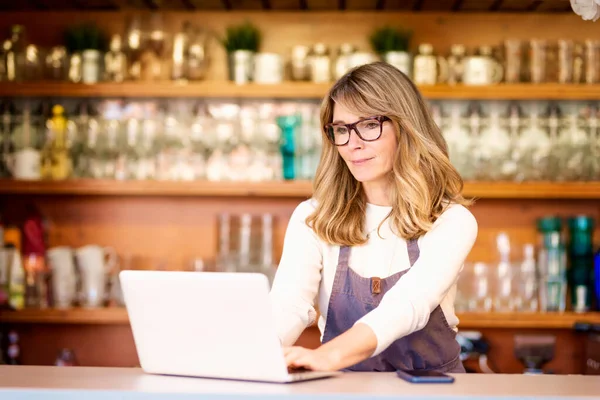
column 181, row 135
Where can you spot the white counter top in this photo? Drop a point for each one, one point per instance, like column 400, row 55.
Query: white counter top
column 49, row 383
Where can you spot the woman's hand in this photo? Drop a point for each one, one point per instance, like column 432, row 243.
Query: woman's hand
column 316, row 360
column 351, row 347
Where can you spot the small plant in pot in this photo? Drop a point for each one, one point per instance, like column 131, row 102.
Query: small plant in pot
column 392, row 45
column 241, row 43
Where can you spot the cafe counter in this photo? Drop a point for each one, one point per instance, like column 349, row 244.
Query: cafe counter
column 93, row 383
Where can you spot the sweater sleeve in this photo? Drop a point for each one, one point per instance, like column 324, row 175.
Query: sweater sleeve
column 297, row 279
column 406, row 307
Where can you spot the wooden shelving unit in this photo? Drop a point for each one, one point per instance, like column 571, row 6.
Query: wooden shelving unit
column 288, row 90
column 280, row 189
column 158, row 188
column 99, row 316
column 117, row 315
column 564, row 320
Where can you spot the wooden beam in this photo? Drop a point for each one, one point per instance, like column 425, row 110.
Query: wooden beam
column 188, row 4
column 476, row 5
column 361, row 4
column 293, row 5
column 554, row 6
column 151, row 4
column 534, row 5
column 207, row 4
column 322, row 5
column 496, row 5
column 397, row 5
column 457, row 5
column 514, row 5
column 54, row 4
column 246, row 4
column 121, row 4
column 417, row 5
column 437, row 5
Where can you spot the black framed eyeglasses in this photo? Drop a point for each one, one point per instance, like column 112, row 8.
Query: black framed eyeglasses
column 368, row 129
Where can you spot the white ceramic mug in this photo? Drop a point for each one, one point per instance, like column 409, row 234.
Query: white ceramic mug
column 25, row 164
column 94, row 262
column 64, row 277
column 481, row 70
column 268, row 68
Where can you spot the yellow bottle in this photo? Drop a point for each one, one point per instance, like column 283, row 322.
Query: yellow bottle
column 57, row 165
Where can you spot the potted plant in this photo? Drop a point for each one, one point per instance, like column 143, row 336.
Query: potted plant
column 392, row 45
column 241, row 43
column 85, row 44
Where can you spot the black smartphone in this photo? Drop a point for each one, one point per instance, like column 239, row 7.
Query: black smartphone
column 425, row 376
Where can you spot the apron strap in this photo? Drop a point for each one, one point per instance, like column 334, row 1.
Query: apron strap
column 413, row 251
column 343, row 258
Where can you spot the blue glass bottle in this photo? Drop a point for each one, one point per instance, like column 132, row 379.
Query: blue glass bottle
column 597, row 279
column 288, row 125
column 581, row 254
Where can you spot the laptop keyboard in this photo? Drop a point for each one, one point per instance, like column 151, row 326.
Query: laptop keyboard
column 301, row 373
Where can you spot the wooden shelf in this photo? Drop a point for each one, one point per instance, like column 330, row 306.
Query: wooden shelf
column 100, row 316
column 117, row 315
column 533, row 190
column 158, row 188
column 280, row 189
column 213, row 89
column 526, row 320
column 288, row 90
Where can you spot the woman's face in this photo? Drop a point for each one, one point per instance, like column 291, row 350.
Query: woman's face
column 368, row 161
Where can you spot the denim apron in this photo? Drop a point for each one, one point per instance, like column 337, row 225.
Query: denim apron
column 432, row 348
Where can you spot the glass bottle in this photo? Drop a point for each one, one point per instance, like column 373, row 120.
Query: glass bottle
column 7, row 111
column 429, row 69
column 565, row 61
column 538, row 59
column 459, row 141
column 455, row 63
column 495, row 147
column 581, row 257
column 513, row 64
column 115, row 61
column 320, row 64
column 288, row 125
column 56, row 161
column 535, row 145
column 16, row 57
column 552, row 265
column 514, row 123
column 26, row 157
column 592, row 61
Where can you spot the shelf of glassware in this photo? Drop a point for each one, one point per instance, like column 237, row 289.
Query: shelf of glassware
column 288, row 90
column 279, row 189
column 118, row 315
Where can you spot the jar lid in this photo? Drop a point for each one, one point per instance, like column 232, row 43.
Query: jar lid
column 549, row 224
column 581, row 223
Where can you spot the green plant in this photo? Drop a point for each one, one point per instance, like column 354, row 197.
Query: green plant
column 84, row 37
column 390, row 39
column 245, row 36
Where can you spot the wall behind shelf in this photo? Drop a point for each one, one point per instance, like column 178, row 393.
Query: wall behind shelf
column 281, row 30
column 172, row 230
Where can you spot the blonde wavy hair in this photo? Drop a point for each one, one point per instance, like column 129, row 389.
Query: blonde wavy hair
column 423, row 181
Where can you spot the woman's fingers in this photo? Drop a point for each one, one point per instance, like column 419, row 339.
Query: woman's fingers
column 294, row 355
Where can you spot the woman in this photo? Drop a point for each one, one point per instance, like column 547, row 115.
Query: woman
column 381, row 243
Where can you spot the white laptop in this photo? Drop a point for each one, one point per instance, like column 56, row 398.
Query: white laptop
column 206, row 324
